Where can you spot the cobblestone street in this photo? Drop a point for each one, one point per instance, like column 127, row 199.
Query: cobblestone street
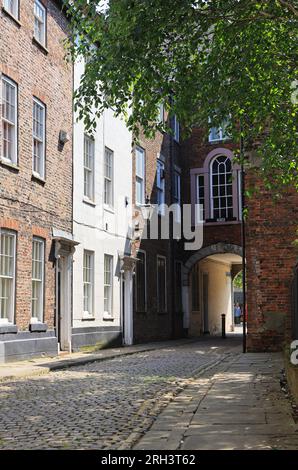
column 101, row 405
column 197, row 395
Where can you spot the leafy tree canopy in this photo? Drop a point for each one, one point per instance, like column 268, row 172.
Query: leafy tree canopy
column 204, row 59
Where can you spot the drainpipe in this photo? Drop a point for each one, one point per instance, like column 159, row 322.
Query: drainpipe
column 172, row 242
column 243, row 237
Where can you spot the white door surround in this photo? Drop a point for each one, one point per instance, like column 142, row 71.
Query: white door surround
column 127, row 264
column 64, row 250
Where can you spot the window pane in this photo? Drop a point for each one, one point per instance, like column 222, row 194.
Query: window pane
column 7, row 274
column 12, row 6
column 38, row 138
column 108, row 177
column 88, row 281
column 141, row 282
column 108, row 283
column 161, row 284
column 37, row 278
column 39, row 22
column 140, row 191
column 140, row 160
column 9, row 120
column 201, row 195
column 222, row 188
column 89, row 148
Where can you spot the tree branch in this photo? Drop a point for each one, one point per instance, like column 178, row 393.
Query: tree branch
column 289, row 6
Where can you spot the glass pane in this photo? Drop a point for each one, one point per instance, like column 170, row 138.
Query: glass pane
column 140, row 282
column 140, row 157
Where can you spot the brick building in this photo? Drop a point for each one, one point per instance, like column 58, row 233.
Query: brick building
column 212, row 180
column 176, row 291
column 35, row 178
column 271, row 257
column 271, row 266
column 157, row 170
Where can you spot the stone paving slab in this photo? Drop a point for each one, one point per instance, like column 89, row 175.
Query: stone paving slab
column 281, row 430
column 242, row 408
column 222, row 442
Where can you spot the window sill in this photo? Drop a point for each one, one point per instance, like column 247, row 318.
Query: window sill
column 219, row 141
column 88, row 201
column 38, row 327
column 88, row 318
column 226, row 222
column 107, row 317
column 38, row 178
column 16, row 20
column 9, row 164
column 41, row 46
column 109, row 209
column 6, row 328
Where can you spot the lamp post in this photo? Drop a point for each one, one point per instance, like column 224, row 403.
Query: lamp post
column 243, row 237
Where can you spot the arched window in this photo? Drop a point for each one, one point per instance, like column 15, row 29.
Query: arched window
column 216, row 189
column 221, row 186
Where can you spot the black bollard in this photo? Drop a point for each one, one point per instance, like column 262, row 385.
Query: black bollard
column 223, row 325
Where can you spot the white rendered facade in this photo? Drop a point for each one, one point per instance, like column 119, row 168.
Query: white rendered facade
column 102, row 286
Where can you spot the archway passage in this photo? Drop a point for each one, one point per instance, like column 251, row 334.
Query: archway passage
column 208, row 278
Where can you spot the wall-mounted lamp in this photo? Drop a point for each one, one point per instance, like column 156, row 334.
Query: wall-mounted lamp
column 63, row 137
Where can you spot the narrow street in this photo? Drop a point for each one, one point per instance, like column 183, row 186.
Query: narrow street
column 202, row 394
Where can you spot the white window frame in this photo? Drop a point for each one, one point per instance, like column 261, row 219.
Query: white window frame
column 212, row 197
column 109, row 179
column 13, row 124
column 140, row 175
column 39, row 139
column 108, row 286
column 200, row 201
column 88, row 168
column 88, row 284
column 165, row 282
column 161, row 113
column 9, row 319
column 160, row 185
column 42, row 23
column 143, row 252
column 12, row 7
column 40, row 314
column 220, row 133
column 176, row 129
column 177, row 193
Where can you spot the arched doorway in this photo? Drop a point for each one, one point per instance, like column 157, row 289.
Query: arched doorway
column 208, row 288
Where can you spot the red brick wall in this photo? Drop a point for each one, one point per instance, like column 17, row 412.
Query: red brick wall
column 194, row 152
column 30, row 206
column 271, row 257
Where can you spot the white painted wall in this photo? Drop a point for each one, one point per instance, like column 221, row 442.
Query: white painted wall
column 219, row 298
column 219, row 294
column 97, row 228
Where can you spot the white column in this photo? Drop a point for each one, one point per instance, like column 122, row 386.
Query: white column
column 128, row 308
column 65, row 296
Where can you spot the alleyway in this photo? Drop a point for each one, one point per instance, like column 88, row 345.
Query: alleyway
column 203, row 394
